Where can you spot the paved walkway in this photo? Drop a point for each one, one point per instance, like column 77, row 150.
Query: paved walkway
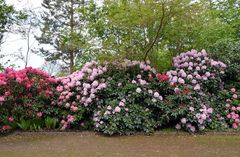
column 77, row 144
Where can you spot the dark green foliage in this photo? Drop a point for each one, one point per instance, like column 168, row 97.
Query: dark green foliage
column 228, row 51
column 50, row 123
column 140, row 111
column 33, row 124
column 8, row 17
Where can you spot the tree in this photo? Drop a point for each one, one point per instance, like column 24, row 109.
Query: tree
column 228, row 11
column 62, row 29
column 52, row 68
column 134, row 28
column 10, row 19
column 6, row 18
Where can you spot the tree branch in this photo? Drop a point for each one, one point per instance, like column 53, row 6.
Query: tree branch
column 158, row 33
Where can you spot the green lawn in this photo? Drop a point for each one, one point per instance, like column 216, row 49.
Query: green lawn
column 85, row 144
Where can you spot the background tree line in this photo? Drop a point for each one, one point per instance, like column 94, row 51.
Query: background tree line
column 76, row 31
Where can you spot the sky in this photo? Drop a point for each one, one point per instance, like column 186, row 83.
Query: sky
column 15, row 42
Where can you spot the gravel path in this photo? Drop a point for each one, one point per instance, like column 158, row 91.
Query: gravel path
column 88, row 144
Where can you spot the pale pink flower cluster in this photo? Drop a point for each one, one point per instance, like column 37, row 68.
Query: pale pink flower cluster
column 108, row 111
column 194, row 68
column 201, row 118
column 82, row 85
column 145, row 66
column 80, row 88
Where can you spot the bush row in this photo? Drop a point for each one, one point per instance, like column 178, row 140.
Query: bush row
column 122, row 97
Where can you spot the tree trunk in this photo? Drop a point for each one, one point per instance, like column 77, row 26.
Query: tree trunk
column 71, row 61
column 71, row 49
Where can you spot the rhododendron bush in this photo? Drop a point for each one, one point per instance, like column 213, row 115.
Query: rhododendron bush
column 122, row 97
column 25, row 94
column 198, row 79
column 77, row 93
column 233, row 109
column 196, row 71
column 133, row 100
column 89, row 94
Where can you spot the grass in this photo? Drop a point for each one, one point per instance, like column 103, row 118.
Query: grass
column 89, row 144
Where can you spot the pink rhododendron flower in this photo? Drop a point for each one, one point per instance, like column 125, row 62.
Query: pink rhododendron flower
column 180, row 80
column 156, row 95
column 204, row 67
column 138, row 90
column 228, row 116
column 39, row 114
column 238, row 108
column 194, row 81
column 189, row 77
column 192, row 128
column 150, row 91
column 237, row 120
column 70, row 119
column 233, row 90
column 121, row 103
column 210, row 110
column 197, row 87
column 175, row 79
column 184, row 120
column 235, row 96
column 117, row 109
column 1, row 99
column 227, row 105
column 234, row 125
column 208, row 74
column 154, row 100
column 203, row 116
column 134, row 82
column 67, row 105
column 11, row 119
column 191, row 108
column 7, row 93
column 64, row 126
column 178, row 126
column 109, row 107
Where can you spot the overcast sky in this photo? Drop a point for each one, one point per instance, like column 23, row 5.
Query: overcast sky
column 15, row 42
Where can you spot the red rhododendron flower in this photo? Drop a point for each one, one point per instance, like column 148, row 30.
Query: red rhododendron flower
column 163, row 78
column 6, row 127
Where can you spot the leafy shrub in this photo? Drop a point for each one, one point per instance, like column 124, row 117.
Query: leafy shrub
column 232, row 108
column 197, row 118
column 229, row 52
column 121, row 97
column 196, row 78
column 26, row 94
column 77, row 94
column 88, row 93
column 133, row 99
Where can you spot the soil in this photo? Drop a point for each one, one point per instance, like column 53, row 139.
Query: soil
column 89, row 144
